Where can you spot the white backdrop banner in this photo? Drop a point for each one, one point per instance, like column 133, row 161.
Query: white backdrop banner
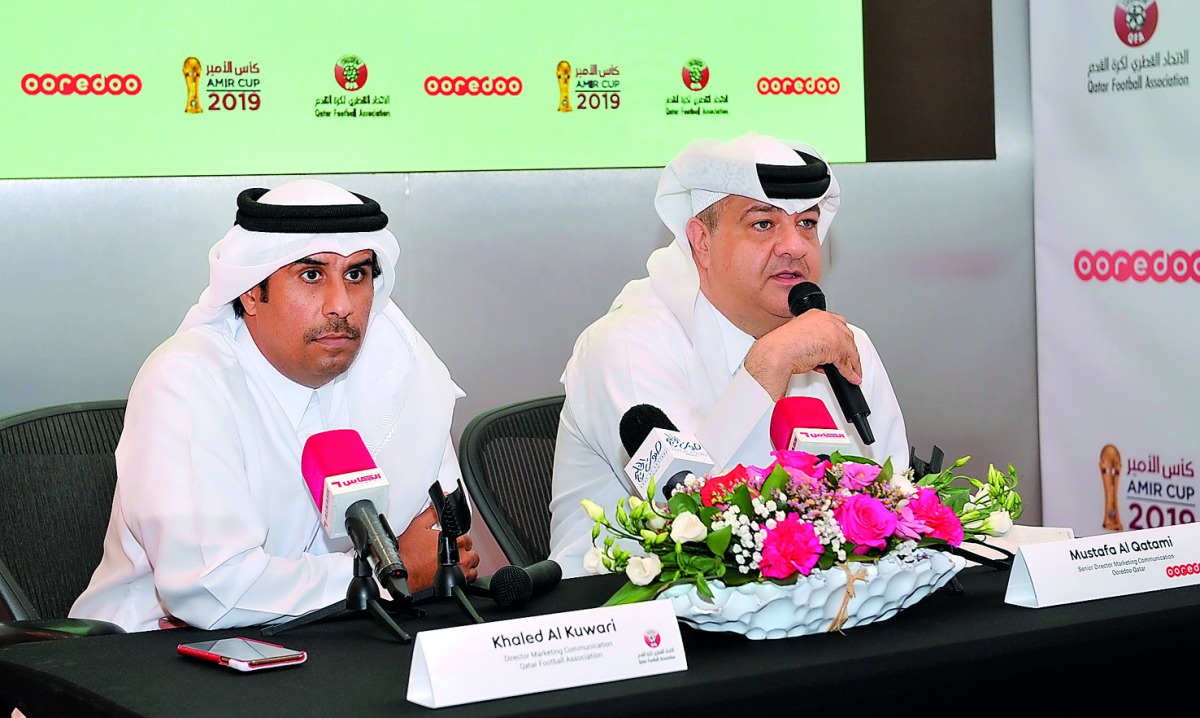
column 1116, row 99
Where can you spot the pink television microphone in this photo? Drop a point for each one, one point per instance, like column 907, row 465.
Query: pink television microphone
column 803, row 423
column 349, row 489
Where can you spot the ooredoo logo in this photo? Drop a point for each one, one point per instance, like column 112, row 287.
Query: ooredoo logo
column 80, row 84
column 460, row 85
column 1140, row 265
column 1183, row 569
column 1135, row 21
column 799, row 85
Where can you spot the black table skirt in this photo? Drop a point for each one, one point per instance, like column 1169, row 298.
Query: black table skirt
column 956, row 647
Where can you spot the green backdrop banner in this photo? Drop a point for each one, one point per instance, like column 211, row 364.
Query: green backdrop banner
column 136, row 89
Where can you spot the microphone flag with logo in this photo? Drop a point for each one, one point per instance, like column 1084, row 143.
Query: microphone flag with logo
column 658, row 450
column 803, row 423
column 349, row 489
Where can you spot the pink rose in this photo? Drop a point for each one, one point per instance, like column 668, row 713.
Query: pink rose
column 792, row 546
column 940, row 520
column 865, row 521
column 908, row 526
column 857, row 476
column 801, row 461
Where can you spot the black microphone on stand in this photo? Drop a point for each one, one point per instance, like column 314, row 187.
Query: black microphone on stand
column 801, row 298
column 514, row 586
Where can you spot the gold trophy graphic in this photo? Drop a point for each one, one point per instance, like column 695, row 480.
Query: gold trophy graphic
column 1110, row 476
column 191, row 76
column 564, row 86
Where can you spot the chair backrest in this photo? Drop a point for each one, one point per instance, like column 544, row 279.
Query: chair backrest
column 57, row 473
column 507, row 457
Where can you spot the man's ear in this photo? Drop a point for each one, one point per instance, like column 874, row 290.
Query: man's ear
column 250, row 301
column 700, row 239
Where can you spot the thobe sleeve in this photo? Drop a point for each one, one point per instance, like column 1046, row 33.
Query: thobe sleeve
column 191, row 505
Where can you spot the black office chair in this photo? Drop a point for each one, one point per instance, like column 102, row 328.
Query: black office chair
column 57, row 473
column 507, row 457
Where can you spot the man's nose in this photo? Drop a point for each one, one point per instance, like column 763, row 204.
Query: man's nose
column 790, row 241
column 337, row 298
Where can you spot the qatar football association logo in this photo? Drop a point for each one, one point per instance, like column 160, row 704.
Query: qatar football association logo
column 1135, row 21
column 695, row 74
column 350, row 72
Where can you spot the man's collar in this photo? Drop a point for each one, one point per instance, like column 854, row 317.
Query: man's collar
column 736, row 342
column 291, row 396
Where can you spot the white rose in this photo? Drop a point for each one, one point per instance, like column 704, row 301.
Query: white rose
column 593, row 561
column 688, row 527
column 643, row 569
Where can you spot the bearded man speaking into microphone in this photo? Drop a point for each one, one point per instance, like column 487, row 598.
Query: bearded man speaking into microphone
column 709, row 337
column 212, row 522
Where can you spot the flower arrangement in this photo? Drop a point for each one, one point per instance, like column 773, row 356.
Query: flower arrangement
column 798, row 514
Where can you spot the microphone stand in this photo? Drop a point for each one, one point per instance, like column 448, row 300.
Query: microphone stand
column 362, row 595
column 454, row 518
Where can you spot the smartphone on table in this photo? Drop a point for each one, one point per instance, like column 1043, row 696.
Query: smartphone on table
column 243, row 654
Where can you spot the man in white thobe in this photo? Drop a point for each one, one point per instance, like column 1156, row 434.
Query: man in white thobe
column 212, row 523
column 708, row 337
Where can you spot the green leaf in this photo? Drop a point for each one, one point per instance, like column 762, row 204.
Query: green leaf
column 632, row 593
column 741, row 499
column 885, row 473
column 707, row 513
column 777, row 481
column 681, row 503
column 838, row 457
column 703, row 589
column 718, row 541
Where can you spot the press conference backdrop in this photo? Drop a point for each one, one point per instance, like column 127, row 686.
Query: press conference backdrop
column 1115, row 94
column 500, row 270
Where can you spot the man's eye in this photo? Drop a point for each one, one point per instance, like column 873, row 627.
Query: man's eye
column 355, row 275
column 807, row 223
column 762, row 225
column 310, row 275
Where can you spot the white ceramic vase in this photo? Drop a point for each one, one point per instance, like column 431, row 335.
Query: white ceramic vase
column 813, row 603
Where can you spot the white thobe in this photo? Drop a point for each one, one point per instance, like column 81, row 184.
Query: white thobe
column 212, row 522
column 663, row 343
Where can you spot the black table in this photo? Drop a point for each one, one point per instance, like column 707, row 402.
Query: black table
column 943, row 654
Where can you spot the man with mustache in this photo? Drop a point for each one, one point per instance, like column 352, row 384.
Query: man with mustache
column 212, row 523
column 708, row 337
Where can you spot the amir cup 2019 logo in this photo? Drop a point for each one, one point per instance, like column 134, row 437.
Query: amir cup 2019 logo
column 1110, row 480
column 563, row 72
column 1135, row 21
column 191, row 78
column 351, row 72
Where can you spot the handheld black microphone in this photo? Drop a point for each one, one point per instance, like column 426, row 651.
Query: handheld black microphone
column 513, row 586
column 801, row 298
column 657, row 448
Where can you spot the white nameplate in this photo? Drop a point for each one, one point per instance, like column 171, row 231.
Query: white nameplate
column 499, row 659
column 1116, row 564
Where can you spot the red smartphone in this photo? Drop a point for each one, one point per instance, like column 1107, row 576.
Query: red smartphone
column 243, row 654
